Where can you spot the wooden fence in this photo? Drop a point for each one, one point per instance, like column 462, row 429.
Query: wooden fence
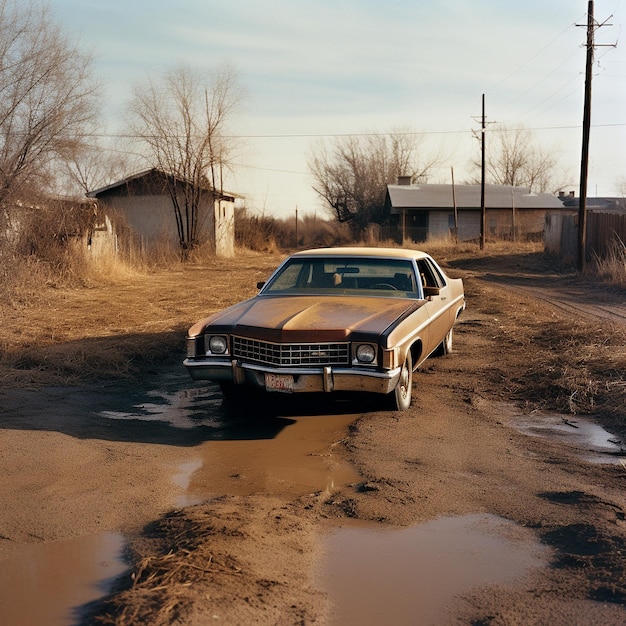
column 604, row 230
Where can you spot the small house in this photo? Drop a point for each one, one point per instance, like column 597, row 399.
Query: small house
column 144, row 202
column 420, row 212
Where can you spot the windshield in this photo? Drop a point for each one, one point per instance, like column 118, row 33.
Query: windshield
column 367, row 276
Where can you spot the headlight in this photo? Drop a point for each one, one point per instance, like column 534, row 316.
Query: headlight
column 218, row 344
column 365, row 353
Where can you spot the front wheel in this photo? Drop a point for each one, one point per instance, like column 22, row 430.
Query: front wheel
column 400, row 398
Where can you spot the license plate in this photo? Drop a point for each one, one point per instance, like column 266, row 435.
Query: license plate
column 279, row 382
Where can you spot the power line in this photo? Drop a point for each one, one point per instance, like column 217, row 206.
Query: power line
column 339, row 135
column 532, row 58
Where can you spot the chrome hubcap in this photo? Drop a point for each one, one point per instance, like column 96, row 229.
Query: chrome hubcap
column 404, row 380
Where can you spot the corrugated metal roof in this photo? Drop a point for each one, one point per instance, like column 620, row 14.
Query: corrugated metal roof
column 601, row 205
column 468, row 197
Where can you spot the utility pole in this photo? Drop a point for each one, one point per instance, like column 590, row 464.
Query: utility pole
column 584, row 160
column 483, row 208
column 403, row 225
column 483, row 174
column 456, row 210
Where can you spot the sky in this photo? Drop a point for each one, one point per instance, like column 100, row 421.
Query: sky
column 315, row 70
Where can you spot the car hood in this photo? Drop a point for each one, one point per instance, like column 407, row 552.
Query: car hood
column 309, row 318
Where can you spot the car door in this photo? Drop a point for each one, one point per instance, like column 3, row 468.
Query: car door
column 437, row 291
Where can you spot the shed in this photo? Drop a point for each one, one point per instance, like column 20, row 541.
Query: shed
column 146, row 206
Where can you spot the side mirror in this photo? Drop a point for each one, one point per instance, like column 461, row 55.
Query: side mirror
column 260, row 284
column 429, row 292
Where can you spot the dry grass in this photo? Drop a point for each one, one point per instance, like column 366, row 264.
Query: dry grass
column 445, row 247
column 118, row 321
column 164, row 584
column 551, row 361
column 583, row 371
column 611, row 269
column 219, row 561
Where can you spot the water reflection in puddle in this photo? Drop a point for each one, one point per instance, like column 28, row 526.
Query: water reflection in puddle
column 409, row 576
column 47, row 583
column 182, row 479
column 593, row 442
column 181, row 408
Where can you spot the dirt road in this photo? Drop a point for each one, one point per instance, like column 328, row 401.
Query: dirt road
column 561, row 288
column 474, row 443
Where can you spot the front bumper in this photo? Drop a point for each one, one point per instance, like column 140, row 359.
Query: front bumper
column 310, row 379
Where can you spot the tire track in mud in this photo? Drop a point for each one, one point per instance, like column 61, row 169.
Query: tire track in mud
column 578, row 300
column 612, row 312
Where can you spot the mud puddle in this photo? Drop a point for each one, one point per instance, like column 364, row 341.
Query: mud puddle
column 247, row 453
column 299, row 460
column 588, row 439
column 244, row 454
column 46, row 583
column 409, row 576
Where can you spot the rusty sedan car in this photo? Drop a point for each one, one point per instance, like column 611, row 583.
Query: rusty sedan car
column 330, row 320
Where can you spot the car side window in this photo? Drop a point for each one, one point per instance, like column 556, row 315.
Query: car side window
column 430, row 274
column 437, row 273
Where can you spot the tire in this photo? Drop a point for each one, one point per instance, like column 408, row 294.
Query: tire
column 446, row 345
column 400, row 398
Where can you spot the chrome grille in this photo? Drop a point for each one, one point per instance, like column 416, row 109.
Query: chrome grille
column 291, row 354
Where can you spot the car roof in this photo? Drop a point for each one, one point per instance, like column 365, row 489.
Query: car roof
column 364, row 251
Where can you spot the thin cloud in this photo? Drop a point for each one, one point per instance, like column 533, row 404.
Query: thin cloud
column 346, row 66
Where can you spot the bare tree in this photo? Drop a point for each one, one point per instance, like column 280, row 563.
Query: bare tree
column 47, row 98
column 515, row 158
column 181, row 120
column 94, row 166
column 352, row 173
